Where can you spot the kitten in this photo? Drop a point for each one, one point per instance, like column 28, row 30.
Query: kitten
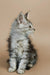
column 22, row 53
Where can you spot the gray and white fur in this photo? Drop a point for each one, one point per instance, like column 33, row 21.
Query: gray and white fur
column 22, row 53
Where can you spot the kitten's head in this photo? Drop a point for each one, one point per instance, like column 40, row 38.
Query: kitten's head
column 24, row 23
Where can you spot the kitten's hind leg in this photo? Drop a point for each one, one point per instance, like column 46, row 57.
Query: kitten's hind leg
column 30, row 65
column 32, row 61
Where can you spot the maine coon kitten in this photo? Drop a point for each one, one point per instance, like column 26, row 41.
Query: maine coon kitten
column 21, row 51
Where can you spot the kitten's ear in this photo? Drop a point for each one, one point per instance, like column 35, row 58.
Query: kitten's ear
column 21, row 17
column 27, row 15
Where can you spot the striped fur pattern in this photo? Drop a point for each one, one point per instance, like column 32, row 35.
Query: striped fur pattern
column 22, row 53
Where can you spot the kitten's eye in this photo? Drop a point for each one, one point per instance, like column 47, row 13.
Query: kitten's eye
column 30, row 26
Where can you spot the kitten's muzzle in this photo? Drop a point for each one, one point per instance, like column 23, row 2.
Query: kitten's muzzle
column 34, row 29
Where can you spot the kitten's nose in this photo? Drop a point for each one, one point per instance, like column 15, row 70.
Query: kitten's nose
column 34, row 29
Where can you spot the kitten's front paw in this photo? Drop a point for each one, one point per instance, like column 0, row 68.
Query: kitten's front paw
column 11, row 69
column 20, row 71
